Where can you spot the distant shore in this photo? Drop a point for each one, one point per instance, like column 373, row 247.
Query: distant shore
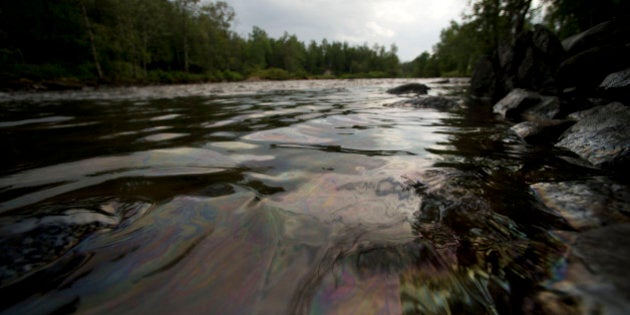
column 68, row 84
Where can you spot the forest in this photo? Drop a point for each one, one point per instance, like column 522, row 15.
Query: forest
column 175, row 41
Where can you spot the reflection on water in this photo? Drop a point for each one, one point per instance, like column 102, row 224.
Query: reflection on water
column 264, row 198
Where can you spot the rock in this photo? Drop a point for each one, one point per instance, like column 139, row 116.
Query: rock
column 548, row 108
column 588, row 68
column 606, row 33
column 410, row 88
column 597, row 110
column 516, row 102
column 606, row 251
column 593, row 277
column 530, row 63
column 445, row 81
column 32, row 243
column 601, row 137
column 617, row 85
column 538, row 67
column 434, row 102
column 586, row 204
column 541, row 131
column 484, row 83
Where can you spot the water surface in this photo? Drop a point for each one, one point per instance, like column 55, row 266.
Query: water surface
column 299, row 197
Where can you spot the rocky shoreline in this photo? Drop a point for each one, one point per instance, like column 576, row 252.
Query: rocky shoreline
column 574, row 95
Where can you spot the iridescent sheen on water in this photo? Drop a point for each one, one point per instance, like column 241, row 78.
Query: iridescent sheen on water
column 299, row 197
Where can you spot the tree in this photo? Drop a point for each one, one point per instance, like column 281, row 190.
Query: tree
column 498, row 21
column 258, row 49
column 88, row 27
column 568, row 17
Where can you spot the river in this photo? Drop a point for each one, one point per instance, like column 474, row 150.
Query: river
column 295, row 197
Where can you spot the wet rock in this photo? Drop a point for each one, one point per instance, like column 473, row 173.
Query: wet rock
column 601, row 136
column 597, row 110
column 548, row 108
column 410, row 88
column 586, row 204
column 617, row 85
column 606, row 251
column 541, row 131
column 434, row 102
column 445, row 81
column 516, row 102
column 593, row 279
column 455, row 213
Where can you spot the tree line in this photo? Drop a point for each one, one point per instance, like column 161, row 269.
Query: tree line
column 165, row 41
column 174, row 41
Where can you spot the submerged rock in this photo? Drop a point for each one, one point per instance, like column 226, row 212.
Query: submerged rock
column 32, row 243
column 410, row 88
column 606, row 251
column 435, row 102
column 601, row 136
column 593, row 278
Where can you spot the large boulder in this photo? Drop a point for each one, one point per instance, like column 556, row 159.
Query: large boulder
column 484, row 83
column 587, row 69
column 606, row 33
column 601, row 136
column 434, row 102
column 410, row 88
column 539, row 64
column 531, row 62
column 594, row 54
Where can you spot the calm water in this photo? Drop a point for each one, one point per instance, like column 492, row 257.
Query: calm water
column 307, row 197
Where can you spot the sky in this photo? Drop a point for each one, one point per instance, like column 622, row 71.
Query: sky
column 413, row 25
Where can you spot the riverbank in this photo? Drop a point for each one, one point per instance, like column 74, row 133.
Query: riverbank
column 572, row 97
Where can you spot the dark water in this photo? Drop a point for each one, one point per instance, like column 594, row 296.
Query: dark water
column 268, row 198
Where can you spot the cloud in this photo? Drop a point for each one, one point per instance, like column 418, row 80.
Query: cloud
column 413, row 25
column 379, row 31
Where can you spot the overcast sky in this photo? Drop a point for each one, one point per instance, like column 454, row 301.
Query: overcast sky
column 413, row 25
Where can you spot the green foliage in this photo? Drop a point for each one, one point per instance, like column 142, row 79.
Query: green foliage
column 489, row 24
column 170, row 41
column 273, row 74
